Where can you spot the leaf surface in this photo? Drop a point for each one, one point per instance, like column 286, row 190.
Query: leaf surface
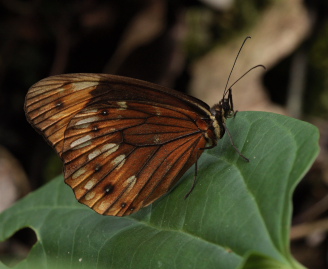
column 238, row 215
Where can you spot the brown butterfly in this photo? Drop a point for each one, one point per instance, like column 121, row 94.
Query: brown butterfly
column 124, row 142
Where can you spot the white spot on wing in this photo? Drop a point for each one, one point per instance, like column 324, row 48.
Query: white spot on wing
column 83, row 85
column 130, row 182
column 90, row 184
column 58, row 116
column 119, row 160
column 111, row 149
column 108, row 148
column 157, row 139
column 94, row 154
column 132, row 179
column 120, row 165
column 82, row 141
column 93, row 110
column 78, row 173
column 88, row 143
column 87, row 120
column 104, row 205
column 90, row 195
column 122, row 105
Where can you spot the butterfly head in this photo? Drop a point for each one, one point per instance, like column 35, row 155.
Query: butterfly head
column 227, row 105
column 223, row 110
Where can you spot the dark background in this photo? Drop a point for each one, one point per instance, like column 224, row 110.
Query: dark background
column 186, row 45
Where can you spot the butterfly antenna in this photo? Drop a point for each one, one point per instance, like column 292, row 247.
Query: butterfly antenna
column 256, row 66
column 233, row 66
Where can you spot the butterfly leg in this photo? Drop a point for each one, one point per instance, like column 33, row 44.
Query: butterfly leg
column 195, row 179
column 196, row 171
column 233, row 144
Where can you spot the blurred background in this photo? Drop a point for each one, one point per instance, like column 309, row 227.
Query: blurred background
column 186, row 45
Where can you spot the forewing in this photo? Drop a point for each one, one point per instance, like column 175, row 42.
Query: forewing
column 52, row 102
column 122, row 156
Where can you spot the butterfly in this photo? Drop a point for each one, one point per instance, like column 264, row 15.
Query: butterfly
column 124, row 142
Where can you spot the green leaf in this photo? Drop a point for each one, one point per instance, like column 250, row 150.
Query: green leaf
column 259, row 261
column 238, row 215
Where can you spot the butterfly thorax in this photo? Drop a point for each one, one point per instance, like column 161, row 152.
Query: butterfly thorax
column 218, row 120
column 220, row 112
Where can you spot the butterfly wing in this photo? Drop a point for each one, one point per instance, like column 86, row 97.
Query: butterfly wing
column 51, row 102
column 118, row 160
column 124, row 142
